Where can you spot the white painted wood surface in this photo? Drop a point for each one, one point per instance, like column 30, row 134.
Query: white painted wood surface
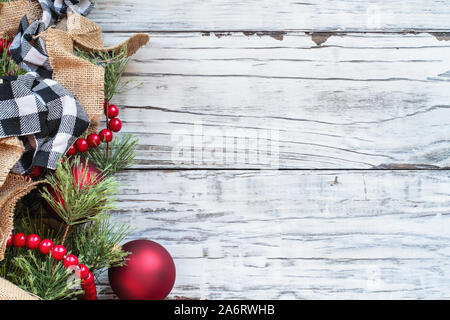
column 272, row 15
column 346, row 111
column 296, row 234
column 356, row 101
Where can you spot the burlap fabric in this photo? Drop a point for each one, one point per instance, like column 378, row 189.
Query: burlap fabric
column 9, row 291
column 14, row 188
column 12, row 12
column 82, row 78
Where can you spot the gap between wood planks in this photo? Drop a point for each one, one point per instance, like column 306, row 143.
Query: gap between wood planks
column 319, row 37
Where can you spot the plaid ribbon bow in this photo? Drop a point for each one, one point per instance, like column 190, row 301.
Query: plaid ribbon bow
column 55, row 9
column 46, row 117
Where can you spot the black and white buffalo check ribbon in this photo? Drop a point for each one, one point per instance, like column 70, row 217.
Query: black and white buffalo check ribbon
column 55, row 9
column 43, row 110
column 29, row 51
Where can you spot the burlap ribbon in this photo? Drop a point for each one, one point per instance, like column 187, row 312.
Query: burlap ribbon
column 12, row 12
column 9, row 291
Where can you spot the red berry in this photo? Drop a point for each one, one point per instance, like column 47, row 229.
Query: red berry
column 20, row 240
column 82, row 145
column 115, row 125
column 83, row 272
column 106, row 135
column 70, row 260
column 93, row 140
column 89, row 297
column 72, row 150
column 58, row 252
column 37, row 171
column 9, row 46
column 45, row 246
column 9, row 242
column 113, row 111
column 3, row 44
column 33, row 241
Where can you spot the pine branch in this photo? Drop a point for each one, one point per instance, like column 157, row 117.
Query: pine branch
column 115, row 64
column 78, row 202
column 121, row 155
column 37, row 277
column 97, row 244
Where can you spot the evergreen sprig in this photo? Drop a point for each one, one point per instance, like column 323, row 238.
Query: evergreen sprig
column 7, row 65
column 115, row 64
column 78, row 202
column 97, row 244
column 120, row 155
column 44, row 279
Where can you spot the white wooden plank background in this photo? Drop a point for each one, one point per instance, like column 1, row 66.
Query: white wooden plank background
column 348, row 111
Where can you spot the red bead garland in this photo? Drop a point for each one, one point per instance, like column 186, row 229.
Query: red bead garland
column 33, row 241
column 19, row 240
column 58, row 252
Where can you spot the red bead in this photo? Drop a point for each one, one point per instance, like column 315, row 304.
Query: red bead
column 72, row 150
column 58, row 252
column 93, row 140
column 19, row 240
column 83, row 272
column 82, row 145
column 106, row 135
column 9, row 242
column 113, row 111
column 33, row 241
column 37, row 171
column 115, row 125
column 46, row 246
column 70, row 260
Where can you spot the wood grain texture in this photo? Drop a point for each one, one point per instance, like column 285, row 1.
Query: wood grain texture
column 272, row 15
column 298, row 234
column 355, row 101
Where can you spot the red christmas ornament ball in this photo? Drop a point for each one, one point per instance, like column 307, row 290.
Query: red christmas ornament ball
column 33, row 241
column 19, row 240
column 46, row 246
column 70, row 260
column 106, row 135
column 58, row 252
column 81, row 145
column 71, row 151
column 112, row 111
column 115, row 125
column 93, row 140
column 148, row 275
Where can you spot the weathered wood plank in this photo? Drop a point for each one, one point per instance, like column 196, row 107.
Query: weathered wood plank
column 296, row 234
column 272, row 15
column 355, row 101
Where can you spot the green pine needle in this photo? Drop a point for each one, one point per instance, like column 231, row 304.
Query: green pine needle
column 82, row 203
column 122, row 155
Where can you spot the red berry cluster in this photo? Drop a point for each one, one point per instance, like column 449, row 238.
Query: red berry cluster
column 59, row 253
column 113, row 123
column 4, row 45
